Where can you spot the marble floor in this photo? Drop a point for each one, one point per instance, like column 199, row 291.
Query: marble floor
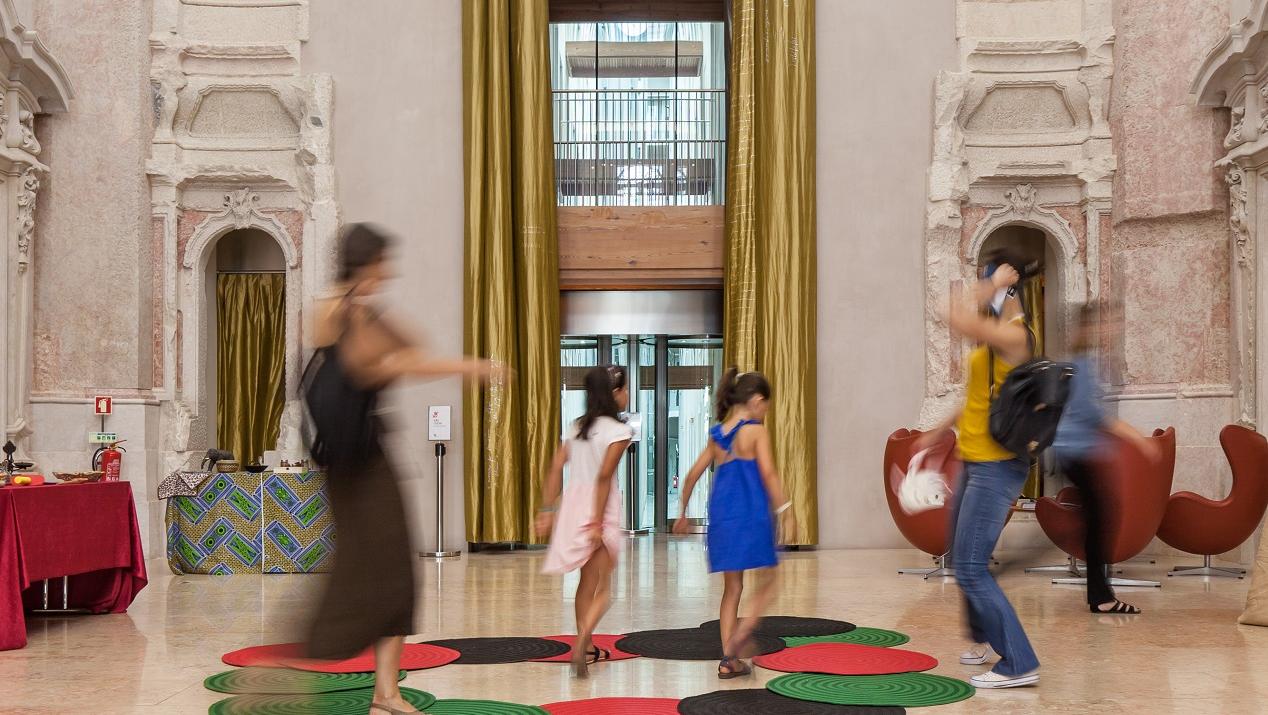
column 1185, row 655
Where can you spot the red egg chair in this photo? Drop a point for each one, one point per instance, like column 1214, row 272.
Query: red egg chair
column 929, row 530
column 1198, row 525
column 1134, row 491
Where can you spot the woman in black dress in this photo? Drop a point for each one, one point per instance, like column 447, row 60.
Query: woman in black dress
column 369, row 599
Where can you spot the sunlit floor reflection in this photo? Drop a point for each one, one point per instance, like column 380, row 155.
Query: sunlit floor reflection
column 1185, row 655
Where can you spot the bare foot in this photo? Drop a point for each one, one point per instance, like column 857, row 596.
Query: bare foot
column 391, row 706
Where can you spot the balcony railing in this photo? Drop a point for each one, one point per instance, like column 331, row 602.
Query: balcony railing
column 640, row 147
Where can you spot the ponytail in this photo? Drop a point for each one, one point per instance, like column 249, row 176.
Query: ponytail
column 737, row 389
column 601, row 382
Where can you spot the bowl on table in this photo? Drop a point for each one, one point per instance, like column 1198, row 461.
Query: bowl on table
column 78, row 477
column 256, row 468
column 228, row 466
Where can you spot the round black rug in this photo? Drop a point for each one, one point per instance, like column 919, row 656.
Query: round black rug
column 794, row 626
column 490, row 651
column 689, row 644
column 760, row 701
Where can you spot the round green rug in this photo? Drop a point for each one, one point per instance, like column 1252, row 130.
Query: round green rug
column 339, row 703
column 905, row 690
column 482, row 707
column 862, row 636
column 282, row 681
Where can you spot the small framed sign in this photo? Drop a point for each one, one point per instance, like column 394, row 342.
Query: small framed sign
column 103, row 405
column 438, row 423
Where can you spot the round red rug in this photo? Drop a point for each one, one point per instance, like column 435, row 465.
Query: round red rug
column 605, row 641
column 287, row 655
column 846, row 659
column 615, row 706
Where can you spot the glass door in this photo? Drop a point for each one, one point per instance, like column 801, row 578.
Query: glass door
column 672, row 382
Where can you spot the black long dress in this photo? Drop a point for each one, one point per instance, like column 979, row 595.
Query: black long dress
column 370, row 591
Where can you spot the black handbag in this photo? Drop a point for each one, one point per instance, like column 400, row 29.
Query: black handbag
column 338, row 425
column 1027, row 408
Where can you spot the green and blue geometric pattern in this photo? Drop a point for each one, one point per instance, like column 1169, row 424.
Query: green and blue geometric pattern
column 252, row 523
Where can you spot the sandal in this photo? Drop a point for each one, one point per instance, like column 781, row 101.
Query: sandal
column 735, row 668
column 1119, row 608
column 596, row 654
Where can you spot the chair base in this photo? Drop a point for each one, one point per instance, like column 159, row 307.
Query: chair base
column 1071, row 566
column 1125, row 582
column 942, row 569
column 1206, row 569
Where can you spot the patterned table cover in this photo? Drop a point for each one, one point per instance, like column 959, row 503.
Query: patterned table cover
column 244, row 523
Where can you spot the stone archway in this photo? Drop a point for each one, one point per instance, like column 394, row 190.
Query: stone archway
column 240, row 211
column 954, row 249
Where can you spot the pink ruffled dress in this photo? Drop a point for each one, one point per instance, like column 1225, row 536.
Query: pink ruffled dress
column 570, row 547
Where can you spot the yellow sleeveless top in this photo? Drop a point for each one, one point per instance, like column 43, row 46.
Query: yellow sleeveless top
column 975, row 441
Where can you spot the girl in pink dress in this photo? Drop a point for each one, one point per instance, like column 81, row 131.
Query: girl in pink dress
column 586, row 518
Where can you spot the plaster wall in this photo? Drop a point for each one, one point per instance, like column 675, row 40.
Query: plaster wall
column 92, row 251
column 1170, row 261
column 874, row 149
column 398, row 160
column 92, row 222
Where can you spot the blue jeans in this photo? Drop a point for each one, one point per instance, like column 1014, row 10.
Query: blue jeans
column 989, row 490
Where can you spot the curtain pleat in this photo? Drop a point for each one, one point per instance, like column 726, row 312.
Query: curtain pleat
column 1034, row 297
column 512, row 264
column 250, row 361
column 770, row 285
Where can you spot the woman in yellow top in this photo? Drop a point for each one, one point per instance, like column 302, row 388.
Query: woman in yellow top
column 993, row 476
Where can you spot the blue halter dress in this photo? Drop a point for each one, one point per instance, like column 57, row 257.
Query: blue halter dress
column 741, row 530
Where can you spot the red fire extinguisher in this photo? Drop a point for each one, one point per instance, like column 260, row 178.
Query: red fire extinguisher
column 109, row 460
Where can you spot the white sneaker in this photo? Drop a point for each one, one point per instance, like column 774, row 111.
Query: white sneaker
column 978, row 654
column 991, row 679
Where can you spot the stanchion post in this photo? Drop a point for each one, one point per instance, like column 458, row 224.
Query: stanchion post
column 440, row 552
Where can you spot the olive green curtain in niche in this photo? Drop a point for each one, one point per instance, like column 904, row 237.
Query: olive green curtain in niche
column 512, row 264
column 770, row 229
column 250, row 360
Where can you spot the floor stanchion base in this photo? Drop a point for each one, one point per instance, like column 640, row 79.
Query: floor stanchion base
column 439, row 554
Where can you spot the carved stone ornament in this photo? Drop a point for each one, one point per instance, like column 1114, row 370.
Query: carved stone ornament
column 1235, row 131
column 1244, row 298
column 30, row 184
column 241, row 205
column 1021, row 199
column 1237, row 216
column 29, row 142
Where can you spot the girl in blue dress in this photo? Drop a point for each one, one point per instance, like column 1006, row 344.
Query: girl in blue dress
column 745, row 504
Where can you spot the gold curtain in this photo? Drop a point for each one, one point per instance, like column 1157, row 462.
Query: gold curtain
column 769, row 290
column 1034, row 297
column 250, row 360
column 512, row 264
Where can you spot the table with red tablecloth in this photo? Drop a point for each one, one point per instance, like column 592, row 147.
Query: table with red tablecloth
column 88, row 532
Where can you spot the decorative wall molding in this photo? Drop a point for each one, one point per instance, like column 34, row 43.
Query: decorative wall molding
column 260, row 158
column 28, row 186
column 31, row 81
column 984, row 178
column 1244, row 299
column 1234, row 76
column 240, row 210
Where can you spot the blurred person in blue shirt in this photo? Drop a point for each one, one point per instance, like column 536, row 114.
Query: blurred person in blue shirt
column 1080, row 436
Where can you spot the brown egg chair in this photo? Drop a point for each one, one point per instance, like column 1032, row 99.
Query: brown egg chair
column 929, row 530
column 1134, row 491
column 1197, row 525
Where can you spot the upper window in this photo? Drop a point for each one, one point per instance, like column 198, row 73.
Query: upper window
column 639, row 113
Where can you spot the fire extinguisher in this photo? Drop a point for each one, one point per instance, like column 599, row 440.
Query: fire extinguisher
column 109, row 459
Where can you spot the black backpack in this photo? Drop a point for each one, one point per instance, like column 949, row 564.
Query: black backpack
column 338, row 425
column 1027, row 408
